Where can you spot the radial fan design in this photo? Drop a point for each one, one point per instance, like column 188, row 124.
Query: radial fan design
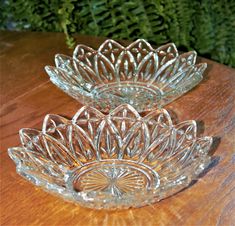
column 118, row 160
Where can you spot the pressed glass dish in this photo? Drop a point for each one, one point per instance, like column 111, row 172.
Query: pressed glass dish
column 137, row 74
column 119, row 160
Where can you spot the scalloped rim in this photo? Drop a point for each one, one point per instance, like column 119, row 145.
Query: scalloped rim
column 15, row 151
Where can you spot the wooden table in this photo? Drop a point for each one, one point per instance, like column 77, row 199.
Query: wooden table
column 27, row 96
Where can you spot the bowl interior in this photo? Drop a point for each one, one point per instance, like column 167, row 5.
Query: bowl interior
column 112, row 161
column 137, row 74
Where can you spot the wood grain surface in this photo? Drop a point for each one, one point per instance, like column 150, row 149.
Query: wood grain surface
column 27, row 96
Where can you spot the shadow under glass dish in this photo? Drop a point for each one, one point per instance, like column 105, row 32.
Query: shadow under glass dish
column 137, row 74
column 119, row 160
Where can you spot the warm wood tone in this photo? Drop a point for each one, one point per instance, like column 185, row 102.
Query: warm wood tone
column 27, row 95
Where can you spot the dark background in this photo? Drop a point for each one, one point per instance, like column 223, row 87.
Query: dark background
column 207, row 26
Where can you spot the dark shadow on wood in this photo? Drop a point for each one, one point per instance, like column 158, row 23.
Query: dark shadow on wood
column 200, row 128
column 214, row 162
column 215, row 145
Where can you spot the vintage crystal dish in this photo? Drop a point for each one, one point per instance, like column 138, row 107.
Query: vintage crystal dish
column 138, row 74
column 119, row 160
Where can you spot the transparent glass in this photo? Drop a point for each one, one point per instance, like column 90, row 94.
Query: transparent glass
column 138, row 74
column 119, row 160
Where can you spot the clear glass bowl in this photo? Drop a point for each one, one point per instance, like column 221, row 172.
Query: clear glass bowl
column 138, row 74
column 119, row 160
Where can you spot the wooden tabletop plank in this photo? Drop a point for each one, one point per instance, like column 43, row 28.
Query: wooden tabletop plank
column 210, row 201
column 23, row 56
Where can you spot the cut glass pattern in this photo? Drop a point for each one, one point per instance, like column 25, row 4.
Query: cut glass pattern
column 137, row 74
column 119, row 160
